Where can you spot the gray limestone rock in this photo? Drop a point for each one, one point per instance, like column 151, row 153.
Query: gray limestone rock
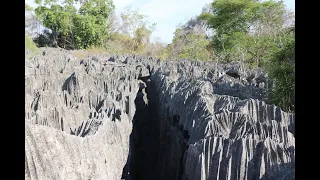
column 133, row 117
column 231, row 132
column 78, row 117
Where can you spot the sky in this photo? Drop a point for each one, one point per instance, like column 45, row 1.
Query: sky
column 167, row 14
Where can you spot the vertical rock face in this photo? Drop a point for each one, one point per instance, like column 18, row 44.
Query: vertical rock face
column 132, row 117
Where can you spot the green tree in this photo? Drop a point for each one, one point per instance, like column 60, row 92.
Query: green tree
column 256, row 33
column 281, row 69
column 247, row 27
column 74, row 28
column 190, row 41
column 141, row 38
column 250, row 31
column 131, row 32
column 131, row 20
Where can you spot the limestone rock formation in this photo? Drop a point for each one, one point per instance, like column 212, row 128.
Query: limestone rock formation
column 78, row 116
column 219, row 127
column 132, row 117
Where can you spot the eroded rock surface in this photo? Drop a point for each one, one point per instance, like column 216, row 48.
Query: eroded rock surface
column 216, row 126
column 78, row 115
column 132, row 117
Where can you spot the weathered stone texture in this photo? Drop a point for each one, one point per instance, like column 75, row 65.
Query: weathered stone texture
column 209, row 120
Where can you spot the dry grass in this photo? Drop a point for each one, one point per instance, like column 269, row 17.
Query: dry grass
column 82, row 54
column 114, row 49
column 31, row 47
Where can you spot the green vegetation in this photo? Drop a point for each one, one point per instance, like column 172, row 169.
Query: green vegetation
column 93, row 25
column 29, row 44
column 188, row 44
column 72, row 28
column 281, row 69
column 31, row 47
column 132, row 35
column 245, row 29
column 258, row 34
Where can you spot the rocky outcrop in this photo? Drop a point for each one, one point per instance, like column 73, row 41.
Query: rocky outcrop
column 216, row 126
column 78, row 115
column 133, row 117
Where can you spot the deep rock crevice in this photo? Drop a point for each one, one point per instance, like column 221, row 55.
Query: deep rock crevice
column 142, row 163
column 149, row 146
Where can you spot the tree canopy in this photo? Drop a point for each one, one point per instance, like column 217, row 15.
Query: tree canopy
column 190, row 41
column 76, row 28
column 130, row 32
column 246, row 27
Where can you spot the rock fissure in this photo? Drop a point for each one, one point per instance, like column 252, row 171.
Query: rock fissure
column 144, row 139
